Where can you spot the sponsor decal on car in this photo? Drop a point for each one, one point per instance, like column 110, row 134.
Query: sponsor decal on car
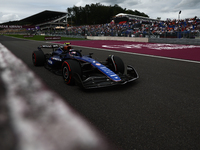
column 57, row 59
column 98, row 64
column 110, row 73
column 50, row 62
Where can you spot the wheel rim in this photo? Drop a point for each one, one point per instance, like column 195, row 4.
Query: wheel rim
column 66, row 73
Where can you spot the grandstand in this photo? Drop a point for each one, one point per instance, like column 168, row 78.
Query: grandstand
column 41, row 21
column 128, row 25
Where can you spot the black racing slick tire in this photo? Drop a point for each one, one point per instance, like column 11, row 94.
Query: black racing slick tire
column 116, row 64
column 38, row 58
column 70, row 69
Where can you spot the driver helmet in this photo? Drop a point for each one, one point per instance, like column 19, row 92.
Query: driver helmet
column 67, row 47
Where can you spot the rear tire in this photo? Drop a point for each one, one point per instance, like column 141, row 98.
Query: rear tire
column 116, row 64
column 38, row 58
column 69, row 69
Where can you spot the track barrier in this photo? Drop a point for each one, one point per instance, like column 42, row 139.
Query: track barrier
column 185, row 41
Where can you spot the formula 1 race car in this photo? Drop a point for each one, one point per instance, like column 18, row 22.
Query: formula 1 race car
column 83, row 70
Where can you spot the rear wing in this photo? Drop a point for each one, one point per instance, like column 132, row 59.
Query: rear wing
column 54, row 46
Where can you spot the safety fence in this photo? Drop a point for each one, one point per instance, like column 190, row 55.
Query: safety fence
column 114, row 33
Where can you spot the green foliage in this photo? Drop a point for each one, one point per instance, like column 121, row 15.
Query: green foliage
column 97, row 14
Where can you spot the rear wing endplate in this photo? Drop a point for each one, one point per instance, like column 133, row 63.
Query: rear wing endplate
column 48, row 46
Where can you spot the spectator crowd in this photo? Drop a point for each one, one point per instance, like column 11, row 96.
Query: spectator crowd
column 140, row 28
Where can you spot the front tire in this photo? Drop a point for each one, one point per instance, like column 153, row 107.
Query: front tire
column 69, row 69
column 116, row 64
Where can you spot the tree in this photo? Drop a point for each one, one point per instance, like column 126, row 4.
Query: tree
column 97, row 13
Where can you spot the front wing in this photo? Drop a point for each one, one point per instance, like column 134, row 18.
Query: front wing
column 104, row 81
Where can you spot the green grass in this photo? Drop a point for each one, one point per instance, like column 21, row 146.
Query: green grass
column 41, row 37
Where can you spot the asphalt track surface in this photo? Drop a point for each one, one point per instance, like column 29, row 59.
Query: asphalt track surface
column 158, row 111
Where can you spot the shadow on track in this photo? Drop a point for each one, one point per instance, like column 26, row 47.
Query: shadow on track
column 111, row 88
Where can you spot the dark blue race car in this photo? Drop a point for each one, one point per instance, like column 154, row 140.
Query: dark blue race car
column 83, row 70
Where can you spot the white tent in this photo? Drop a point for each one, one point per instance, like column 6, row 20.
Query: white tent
column 59, row 27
